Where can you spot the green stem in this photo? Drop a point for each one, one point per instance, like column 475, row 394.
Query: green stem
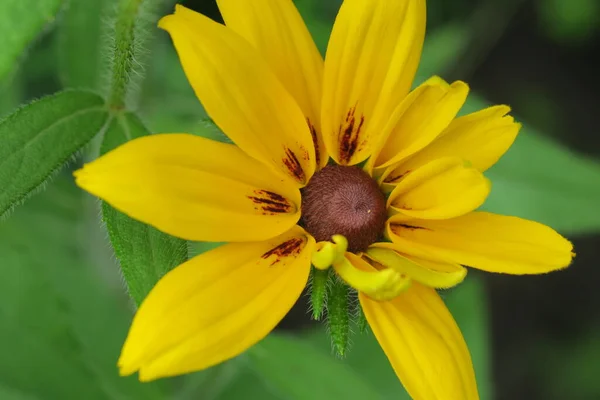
column 124, row 52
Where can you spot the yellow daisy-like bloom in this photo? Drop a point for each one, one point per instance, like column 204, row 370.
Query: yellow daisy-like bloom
column 395, row 229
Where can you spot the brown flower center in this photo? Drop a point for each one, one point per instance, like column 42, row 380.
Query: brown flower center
column 345, row 201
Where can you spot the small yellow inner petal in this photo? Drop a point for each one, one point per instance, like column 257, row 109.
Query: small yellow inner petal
column 327, row 252
column 418, row 120
column 480, row 137
column 379, row 285
column 433, row 274
column 443, row 188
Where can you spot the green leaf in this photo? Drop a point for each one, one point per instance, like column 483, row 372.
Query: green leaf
column 296, row 370
column 7, row 393
column 62, row 328
column 11, row 95
column 361, row 319
column 338, row 320
column 223, row 381
column 318, row 292
column 122, row 128
column 20, row 23
column 569, row 22
column 40, row 137
column 145, row 254
column 80, row 32
column 244, row 384
column 541, row 180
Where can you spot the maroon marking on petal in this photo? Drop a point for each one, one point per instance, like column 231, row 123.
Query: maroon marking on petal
column 411, row 227
column 270, row 203
column 289, row 248
column 293, row 165
column 349, row 134
column 305, row 154
column 315, row 138
column 395, row 178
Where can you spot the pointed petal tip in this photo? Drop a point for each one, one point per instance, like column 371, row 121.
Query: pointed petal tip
column 505, row 244
column 128, row 363
column 163, row 23
column 461, row 87
column 82, row 177
column 566, row 263
column 566, row 244
column 78, row 173
column 505, row 108
column 436, row 80
column 572, row 254
column 461, row 83
column 126, row 370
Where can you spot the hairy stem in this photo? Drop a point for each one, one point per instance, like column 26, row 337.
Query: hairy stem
column 123, row 51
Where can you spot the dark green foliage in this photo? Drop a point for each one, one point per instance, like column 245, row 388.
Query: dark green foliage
column 40, row 137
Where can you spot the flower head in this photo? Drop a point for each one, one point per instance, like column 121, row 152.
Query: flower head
column 337, row 164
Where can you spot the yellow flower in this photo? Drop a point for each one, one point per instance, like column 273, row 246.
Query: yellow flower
column 395, row 229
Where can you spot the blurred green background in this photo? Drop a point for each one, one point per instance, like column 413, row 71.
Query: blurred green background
column 64, row 310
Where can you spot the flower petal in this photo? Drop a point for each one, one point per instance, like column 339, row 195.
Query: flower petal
column 441, row 189
column 480, row 138
column 241, row 94
column 423, row 343
column 276, row 30
column 481, row 240
column 418, row 120
column 430, row 273
column 216, row 305
column 382, row 284
column 327, row 253
column 194, row 188
column 371, row 60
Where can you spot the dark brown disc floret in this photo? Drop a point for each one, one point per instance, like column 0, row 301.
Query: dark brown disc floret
column 346, row 201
